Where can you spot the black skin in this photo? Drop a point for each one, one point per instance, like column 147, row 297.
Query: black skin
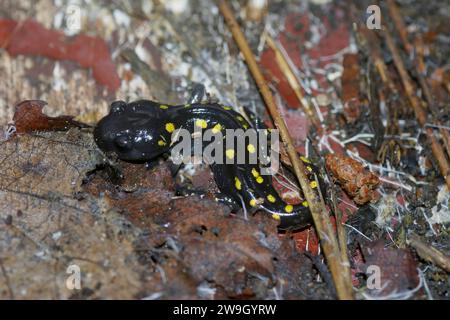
column 134, row 131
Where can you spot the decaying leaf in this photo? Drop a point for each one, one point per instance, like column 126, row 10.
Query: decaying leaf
column 30, row 37
column 199, row 242
column 396, row 268
column 47, row 225
column 29, row 117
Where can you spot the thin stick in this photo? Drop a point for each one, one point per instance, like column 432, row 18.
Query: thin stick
column 373, row 45
column 419, row 111
column 399, row 25
column 341, row 234
column 293, row 82
column 338, row 268
column 419, row 64
column 436, row 148
column 429, row 253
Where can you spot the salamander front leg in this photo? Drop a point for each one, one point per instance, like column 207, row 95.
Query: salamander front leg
column 256, row 122
column 230, row 202
column 197, row 94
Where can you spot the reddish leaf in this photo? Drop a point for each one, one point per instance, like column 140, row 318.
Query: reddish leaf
column 29, row 117
column 398, row 268
column 31, row 38
column 296, row 33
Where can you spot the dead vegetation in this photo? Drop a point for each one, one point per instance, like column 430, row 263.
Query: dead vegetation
column 374, row 102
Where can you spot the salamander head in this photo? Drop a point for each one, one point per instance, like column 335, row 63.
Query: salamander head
column 134, row 131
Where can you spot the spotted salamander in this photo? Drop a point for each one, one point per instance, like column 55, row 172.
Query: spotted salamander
column 141, row 131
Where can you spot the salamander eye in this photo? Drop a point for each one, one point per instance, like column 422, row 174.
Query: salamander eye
column 117, row 106
column 124, row 142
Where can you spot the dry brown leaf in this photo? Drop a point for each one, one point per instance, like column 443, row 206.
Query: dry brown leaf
column 44, row 228
column 29, row 117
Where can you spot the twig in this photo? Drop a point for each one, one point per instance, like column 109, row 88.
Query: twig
column 429, row 253
column 357, row 231
column 399, row 25
column 421, row 116
column 293, row 81
column 373, row 46
column 322, row 268
column 419, row 64
column 341, row 234
column 421, row 74
column 340, row 270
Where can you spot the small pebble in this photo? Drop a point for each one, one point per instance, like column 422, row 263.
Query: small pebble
column 8, row 220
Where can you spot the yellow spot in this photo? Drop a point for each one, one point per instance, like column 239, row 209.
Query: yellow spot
column 260, row 179
column 313, row 184
column 240, row 118
column 255, row 173
column 187, row 105
column 229, row 153
column 161, row 143
column 245, row 126
column 253, row 202
column 170, row 127
column 216, row 128
column 237, row 183
column 251, row 148
column 163, row 106
column 304, row 159
column 305, row 203
column 276, row 216
column 309, row 168
column 226, row 108
column 271, row 198
column 289, row 208
column 201, row 123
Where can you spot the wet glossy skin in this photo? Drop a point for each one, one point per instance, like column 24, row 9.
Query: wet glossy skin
column 141, row 130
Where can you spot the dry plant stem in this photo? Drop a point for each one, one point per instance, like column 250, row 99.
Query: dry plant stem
column 431, row 105
column 420, row 65
column 381, row 67
column 339, row 269
column 374, row 45
column 342, row 235
column 419, row 111
column 399, row 24
column 293, row 82
column 429, row 253
column 430, row 101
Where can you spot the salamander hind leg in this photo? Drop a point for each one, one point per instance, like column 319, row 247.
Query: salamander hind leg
column 266, row 198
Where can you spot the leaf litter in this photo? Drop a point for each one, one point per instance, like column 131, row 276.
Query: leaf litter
column 136, row 233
